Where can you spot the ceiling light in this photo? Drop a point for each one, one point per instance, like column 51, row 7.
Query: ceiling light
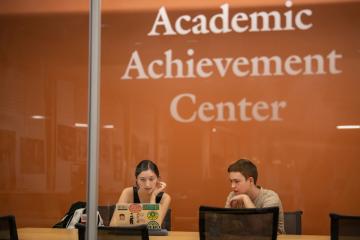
column 348, row 127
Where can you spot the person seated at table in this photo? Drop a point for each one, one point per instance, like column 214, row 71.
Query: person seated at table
column 246, row 194
column 148, row 188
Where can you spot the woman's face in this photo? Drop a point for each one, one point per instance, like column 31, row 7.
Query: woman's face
column 147, row 181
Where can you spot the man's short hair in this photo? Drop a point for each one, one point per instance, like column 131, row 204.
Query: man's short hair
column 245, row 167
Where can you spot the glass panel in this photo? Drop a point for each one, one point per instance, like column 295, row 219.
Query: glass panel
column 194, row 101
column 43, row 95
column 210, row 107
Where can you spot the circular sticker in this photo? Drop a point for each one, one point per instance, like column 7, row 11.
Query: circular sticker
column 151, row 215
column 153, row 225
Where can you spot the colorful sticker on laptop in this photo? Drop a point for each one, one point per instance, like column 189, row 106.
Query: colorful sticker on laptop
column 153, row 225
column 121, row 207
column 122, row 217
column 135, row 208
column 151, row 215
column 151, row 206
column 140, row 218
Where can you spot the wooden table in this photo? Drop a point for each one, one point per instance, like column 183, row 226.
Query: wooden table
column 71, row 234
column 174, row 235
column 47, row 234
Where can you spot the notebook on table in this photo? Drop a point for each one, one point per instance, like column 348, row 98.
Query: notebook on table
column 139, row 213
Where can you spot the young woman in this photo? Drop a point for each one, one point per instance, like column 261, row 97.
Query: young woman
column 148, row 188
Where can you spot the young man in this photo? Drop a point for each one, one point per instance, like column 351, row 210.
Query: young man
column 246, row 194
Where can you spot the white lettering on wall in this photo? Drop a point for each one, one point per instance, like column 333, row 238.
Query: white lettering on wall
column 162, row 19
column 170, row 66
column 174, row 108
column 222, row 23
column 243, row 111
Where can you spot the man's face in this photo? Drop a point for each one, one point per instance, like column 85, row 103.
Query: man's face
column 239, row 184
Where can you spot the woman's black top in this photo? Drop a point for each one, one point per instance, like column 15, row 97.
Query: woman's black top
column 137, row 199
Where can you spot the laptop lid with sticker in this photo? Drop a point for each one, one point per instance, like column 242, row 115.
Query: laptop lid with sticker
column 137, row 214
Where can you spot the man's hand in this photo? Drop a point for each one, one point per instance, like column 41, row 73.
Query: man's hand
column 241, row 200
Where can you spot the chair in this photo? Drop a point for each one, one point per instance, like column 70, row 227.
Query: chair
column 106, row 212
column 139, row 232
column 237, row 223
column 167, row 221
column 8, row 228
column 344, row 227
column 292, row 222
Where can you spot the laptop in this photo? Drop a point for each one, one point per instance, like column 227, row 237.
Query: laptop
column 132, row 214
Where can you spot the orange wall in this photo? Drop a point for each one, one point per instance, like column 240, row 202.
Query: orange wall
column 43, row 64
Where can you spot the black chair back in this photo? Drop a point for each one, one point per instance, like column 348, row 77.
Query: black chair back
column 166, row 224
column 8, row 229
column 344, row 227
column 292, row 222
column 235, row 223
column 106, row 212
column 139, row 232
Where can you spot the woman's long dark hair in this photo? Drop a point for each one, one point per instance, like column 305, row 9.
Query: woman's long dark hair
column 145, row 165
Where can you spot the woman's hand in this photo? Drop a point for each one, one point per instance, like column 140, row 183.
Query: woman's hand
column 160, row 186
